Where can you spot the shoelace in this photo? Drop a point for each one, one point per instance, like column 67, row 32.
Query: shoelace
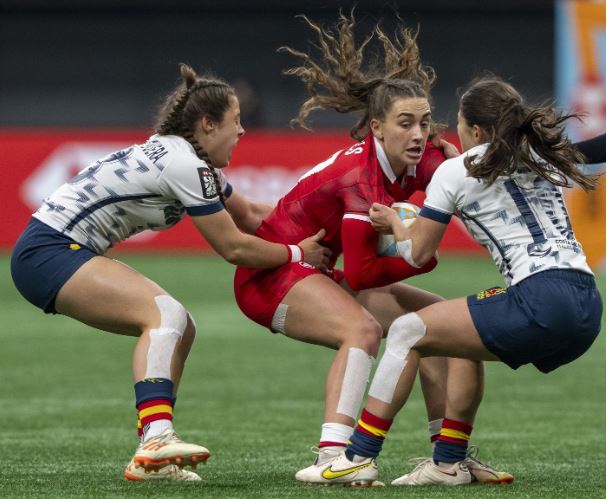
column 319, row 452
column 419, row 462
column 472, row 456
column 165, row 437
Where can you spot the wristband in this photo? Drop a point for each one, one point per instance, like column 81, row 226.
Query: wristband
column 404, row 249
column 295, row 253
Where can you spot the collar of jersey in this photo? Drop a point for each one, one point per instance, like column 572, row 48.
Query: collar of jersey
column 385, row 164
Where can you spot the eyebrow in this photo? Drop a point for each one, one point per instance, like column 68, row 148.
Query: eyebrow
column 411, row 115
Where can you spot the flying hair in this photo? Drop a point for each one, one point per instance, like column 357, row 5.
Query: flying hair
column 343, row 83
column 520, row 135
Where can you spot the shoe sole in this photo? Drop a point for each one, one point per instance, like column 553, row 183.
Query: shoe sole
column 497, row 481
column 358, row 484
column 132, row 478
column 191, row 460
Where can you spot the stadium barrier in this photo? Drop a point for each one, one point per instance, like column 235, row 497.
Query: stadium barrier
column 265, row 165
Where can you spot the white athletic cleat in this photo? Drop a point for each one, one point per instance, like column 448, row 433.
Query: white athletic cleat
column 339, row 470
column 428, row 473
column 482, row 472
column 167, row 449
column 170, row 472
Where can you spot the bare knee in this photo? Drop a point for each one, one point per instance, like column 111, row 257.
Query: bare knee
column 365, row 333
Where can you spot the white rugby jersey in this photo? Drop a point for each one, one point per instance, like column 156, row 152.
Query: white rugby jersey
column 145, row 186
column 522, row 220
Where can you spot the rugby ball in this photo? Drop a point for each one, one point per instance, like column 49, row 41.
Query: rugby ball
column 407, row 212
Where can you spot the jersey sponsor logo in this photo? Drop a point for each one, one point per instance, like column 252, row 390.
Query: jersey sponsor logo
column 330, row 474
column 207, row 182
column 490, row 292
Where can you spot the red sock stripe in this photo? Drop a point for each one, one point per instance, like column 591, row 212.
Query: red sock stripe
column 377, row 422
column 365, row 431
column 457, row 425
column 156, row 417
column 451, row 440
column 434, row 438
column 150, row 403
column 326, row 443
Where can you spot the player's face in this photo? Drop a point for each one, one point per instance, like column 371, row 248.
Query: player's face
column 404, row 131
column 223, row 137
column 468, row 135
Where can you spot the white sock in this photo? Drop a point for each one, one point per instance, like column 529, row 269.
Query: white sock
column 156, row 428
column 434, row 428
column 336, row 433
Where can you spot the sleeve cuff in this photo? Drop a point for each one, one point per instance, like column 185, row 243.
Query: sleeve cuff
column 228, row 190
column 207, row 209
column 437, row 216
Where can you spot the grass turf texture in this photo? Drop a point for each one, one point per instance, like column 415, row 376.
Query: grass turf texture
column 255, row 400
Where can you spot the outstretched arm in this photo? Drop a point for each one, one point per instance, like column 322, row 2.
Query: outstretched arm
column 247, row 215
column 250, row 251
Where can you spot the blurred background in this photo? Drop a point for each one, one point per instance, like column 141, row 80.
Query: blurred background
column 80, row 78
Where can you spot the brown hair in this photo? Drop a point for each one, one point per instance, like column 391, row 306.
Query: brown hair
column 519, row 134
column 346, row 86
column 194, row 98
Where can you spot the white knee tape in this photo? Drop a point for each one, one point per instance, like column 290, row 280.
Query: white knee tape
column 173, row 321
column 279, row 318
column 354, row 384
column 403, row 334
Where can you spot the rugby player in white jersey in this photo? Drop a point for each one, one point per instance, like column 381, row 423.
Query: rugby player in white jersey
column 507, row 188
column 58, row 263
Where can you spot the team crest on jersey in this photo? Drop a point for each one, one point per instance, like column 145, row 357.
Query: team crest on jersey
column 207, row 182
column 490, row 292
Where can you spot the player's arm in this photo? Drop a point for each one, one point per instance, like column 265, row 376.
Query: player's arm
column 246, row 214
column 238, row 248
column 417, row 244
column 363, row 268
column 593, row 149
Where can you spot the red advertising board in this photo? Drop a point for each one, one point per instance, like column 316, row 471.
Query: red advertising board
column 265, row 165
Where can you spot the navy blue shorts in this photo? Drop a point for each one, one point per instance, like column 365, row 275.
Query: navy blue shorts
column 549, row 319
column 43, row 260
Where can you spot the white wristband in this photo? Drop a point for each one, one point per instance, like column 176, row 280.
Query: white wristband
column 404, row 249
column 296, row 253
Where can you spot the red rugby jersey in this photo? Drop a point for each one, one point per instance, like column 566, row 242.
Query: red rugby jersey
column 347, row 184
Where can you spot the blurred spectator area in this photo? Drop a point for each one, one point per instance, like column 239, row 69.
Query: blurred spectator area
column 107, row 63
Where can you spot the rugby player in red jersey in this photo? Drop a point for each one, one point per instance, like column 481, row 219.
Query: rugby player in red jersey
column 351, row 310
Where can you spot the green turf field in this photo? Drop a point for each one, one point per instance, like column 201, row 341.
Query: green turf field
column 255, row 400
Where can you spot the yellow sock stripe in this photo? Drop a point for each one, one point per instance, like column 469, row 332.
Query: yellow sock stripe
column 144, row 413
column 448, row 432
column 371, row 429
column 139, row 424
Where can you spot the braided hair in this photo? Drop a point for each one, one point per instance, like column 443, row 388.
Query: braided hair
column 194, row 98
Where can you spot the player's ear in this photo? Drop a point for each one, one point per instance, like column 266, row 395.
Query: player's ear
column 477, row 133
column 376, row 127
column 207, row 125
